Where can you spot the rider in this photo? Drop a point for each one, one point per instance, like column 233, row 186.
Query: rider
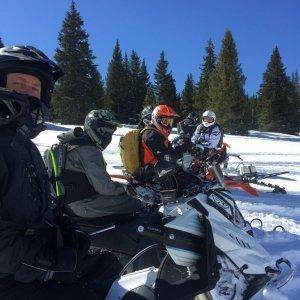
column 89, row 191
column 188, row 126
column 208, row 135
column 156, row 148
column 145, row 117
column 41, row 255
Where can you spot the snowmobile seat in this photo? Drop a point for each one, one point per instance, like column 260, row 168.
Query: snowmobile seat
column 100, row 222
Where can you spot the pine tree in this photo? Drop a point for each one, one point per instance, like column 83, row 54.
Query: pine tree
column 144, row 80
column 278, row 98
column 296, row 81
column 251, row 112
column 207, row 68
column 296, row 84
column 117, row 84
column 150, row 97
column 127, row 114
column 164, row 83
column 188, row 96
column 226, row 88
column 139, row 83
column 80, row 89
column 1, row 44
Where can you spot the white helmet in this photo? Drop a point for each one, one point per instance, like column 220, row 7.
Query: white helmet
column 209, row 114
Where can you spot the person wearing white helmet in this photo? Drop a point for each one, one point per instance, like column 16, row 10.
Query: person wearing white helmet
column 208, row 134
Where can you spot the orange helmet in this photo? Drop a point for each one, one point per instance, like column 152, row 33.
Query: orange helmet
column 163, row 117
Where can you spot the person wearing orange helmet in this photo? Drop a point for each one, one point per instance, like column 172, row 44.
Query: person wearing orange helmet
column 155, row 145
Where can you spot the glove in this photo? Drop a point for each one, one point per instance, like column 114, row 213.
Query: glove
column 197, row 150
column 66, row 227
column 72, row 237
column 64, row 271
column 69, row 260
column 187, row 146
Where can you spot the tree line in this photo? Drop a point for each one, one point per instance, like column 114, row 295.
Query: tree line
column 127, row 87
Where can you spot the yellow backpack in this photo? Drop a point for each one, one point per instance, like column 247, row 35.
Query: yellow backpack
column 129, row 146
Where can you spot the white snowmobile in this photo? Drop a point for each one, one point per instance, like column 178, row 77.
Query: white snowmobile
column 208, row 252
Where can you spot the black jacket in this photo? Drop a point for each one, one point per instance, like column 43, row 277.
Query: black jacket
column 159, row 144
column 30, row 244
column 187, row 127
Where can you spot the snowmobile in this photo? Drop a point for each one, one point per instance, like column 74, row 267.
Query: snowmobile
column 208, row 167
column 247, row 173
column 117, row 232
column 214, row 167
column 198, row 243
column 209, row 253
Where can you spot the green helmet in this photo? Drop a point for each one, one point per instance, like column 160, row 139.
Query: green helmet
column 100, row 126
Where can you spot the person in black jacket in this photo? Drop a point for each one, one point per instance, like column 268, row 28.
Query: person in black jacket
column 158, row 156
column 187, row 126
column 145, row 117
column 41, row 255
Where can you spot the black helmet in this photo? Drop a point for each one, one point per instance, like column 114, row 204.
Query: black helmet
column 100, row 126
column 147, row 111
column 21, row 112
column 146, row 114
column 12, row 106
column 29, row 60
column 193, row 116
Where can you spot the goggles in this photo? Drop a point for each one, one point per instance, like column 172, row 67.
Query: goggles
column 208, row 119
column 106, row 130
column 167, row 121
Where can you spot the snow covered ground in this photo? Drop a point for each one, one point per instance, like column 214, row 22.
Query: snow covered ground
column 271, row 152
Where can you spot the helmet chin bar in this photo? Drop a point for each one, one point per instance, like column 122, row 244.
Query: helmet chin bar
column 23, row 113
column 33, row 123
column 208, row 124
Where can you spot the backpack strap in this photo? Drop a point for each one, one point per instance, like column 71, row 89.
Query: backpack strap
column 57, row 157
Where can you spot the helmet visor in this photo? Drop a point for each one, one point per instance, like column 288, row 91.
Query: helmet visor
column 106, row 130
column 167, row 121
column 207, row 119
column 104, row 136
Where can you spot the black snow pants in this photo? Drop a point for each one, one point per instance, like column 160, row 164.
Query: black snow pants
column 90, row 282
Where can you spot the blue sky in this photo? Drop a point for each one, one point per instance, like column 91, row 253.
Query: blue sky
column 180, row 27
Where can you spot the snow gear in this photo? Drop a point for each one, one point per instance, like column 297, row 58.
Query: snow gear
column 100, row 126
column 208, row 118
column 187, row 127
column 162, row 118
column 13, row 107
column 156, row 146
column 38, row 246
column 210, row 137
column 78, row 172
column 32, row 243
column 63, row 180
column 29, row 60
column 130, row 150
column 145, row 117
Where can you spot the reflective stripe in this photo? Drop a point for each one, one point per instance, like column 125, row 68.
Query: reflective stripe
column 58, row 187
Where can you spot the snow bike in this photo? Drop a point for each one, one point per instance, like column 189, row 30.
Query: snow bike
column 245, row 173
